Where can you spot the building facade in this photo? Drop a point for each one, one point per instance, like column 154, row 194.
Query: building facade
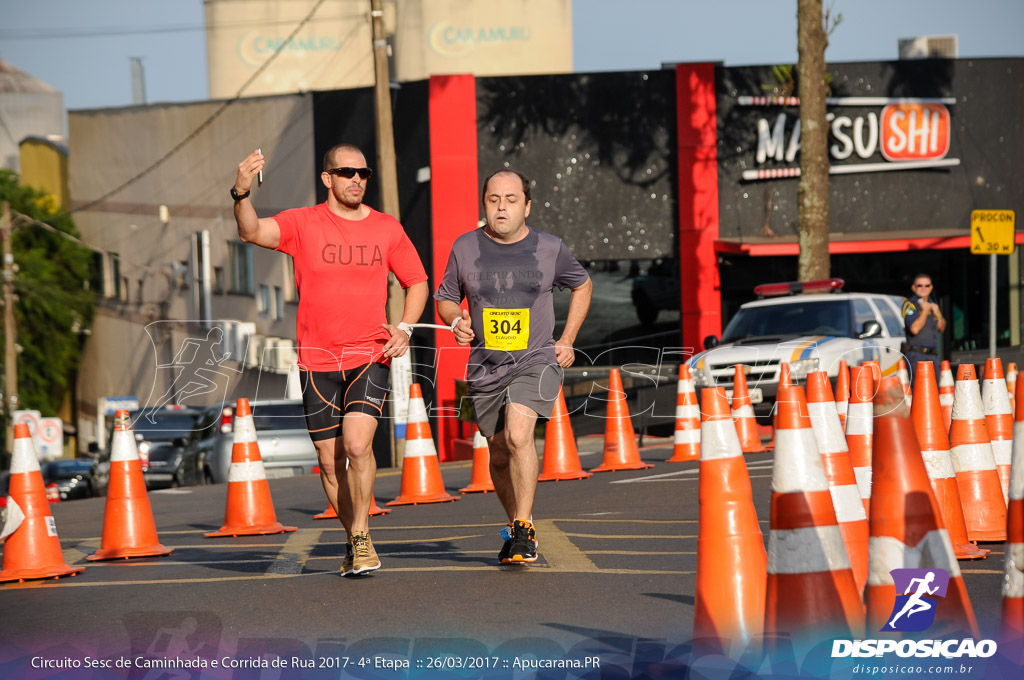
column 682, row 178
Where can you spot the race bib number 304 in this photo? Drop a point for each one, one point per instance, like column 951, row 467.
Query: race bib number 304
column 506, row 330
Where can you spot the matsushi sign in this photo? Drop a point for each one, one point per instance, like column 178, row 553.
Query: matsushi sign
column 908, row 134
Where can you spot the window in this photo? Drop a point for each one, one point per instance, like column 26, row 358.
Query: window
column 263, row 300
column 893, row 323
column 278, row 302
column 242, row 278
column 114, row 290
column 862, row 313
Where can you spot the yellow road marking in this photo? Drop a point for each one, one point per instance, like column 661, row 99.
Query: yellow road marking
column 559, row 552
column 295, row 552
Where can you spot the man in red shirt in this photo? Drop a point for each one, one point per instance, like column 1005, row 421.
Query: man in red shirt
column 343, row 251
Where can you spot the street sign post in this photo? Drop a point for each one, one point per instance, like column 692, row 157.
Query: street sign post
column 992, row 233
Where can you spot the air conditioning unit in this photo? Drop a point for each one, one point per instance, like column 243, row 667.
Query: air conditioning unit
column 254, row 350
column 269, row 362
column 243, row 331
column 286, row 355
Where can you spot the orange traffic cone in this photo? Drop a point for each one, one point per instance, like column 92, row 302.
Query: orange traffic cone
column 375, row 510
column 620, row 450
column 1011, row 385
column 480, row 481
column 421, row 471
column 1013, row 569
column 129, row 529
column 904, row 376
column 999, row 419
column 686, row 443
column 811, row 589
column 743, row 413
column 842, row 483
column 906, row 527
column 934, row 442
column 876, row 371
column 843, row 393
column 249, row 509
column 980, row 492
column 31, row 546
column 859, row 432
column 946, row 389
column 728, row 612
column 561, row 457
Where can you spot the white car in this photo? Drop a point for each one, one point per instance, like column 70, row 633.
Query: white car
column 811, row 331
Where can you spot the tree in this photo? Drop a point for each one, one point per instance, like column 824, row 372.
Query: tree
column 54, row 303
column 813, row 192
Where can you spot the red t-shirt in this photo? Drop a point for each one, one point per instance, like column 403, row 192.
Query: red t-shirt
column 341, row 273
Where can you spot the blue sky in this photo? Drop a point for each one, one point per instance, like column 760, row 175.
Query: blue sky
column 83, row 48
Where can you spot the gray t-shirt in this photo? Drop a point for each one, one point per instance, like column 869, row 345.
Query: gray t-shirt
column 508, row 287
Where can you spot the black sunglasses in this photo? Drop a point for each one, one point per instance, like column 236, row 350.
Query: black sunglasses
column 349, row 173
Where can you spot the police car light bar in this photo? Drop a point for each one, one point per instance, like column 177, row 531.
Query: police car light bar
column 797, row 287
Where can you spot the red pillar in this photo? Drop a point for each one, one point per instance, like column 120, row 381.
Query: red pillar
column 454, row 211
column 698, row 203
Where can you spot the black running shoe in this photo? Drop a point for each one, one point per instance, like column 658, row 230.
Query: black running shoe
column 506, row 549
column 524, row 543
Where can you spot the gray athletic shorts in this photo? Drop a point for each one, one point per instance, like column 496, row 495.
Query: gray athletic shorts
column 535, row 387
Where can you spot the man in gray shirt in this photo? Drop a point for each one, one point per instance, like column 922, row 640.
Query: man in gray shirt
column 506, row 271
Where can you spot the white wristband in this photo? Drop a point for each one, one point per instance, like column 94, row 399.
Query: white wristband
column 456, row 322
column 403, row 326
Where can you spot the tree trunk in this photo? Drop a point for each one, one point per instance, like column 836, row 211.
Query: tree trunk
column 813, row 193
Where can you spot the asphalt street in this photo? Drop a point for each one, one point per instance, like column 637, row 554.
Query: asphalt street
column 615, row 580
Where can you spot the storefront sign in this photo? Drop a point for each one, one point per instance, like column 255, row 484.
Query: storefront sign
column 908, row 133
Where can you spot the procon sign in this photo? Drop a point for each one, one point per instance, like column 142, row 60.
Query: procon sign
column 907, row 133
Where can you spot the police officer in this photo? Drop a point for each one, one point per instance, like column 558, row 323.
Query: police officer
column 923, row 321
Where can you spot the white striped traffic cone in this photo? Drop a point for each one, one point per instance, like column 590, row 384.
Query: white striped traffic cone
column 421, row 471
column 859, row 430
column 686, row 442
column 998, row 419
column 31, row 546
column 811, row 589
column 980, row 493
column 906, row 528
column 842, row 483
column 250, row 509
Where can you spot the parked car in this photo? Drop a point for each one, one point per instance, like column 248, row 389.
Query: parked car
column 163, row 438
column 73, row 477
column 284, row 442
column 809, row 331
column 656, row 289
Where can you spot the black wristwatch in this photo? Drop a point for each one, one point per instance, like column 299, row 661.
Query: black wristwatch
column 237, row 196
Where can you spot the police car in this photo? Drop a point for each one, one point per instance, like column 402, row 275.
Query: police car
column 810, row 325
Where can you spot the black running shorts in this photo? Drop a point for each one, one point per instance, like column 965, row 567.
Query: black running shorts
column 328, row 395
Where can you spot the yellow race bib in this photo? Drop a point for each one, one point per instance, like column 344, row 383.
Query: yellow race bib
column 506, row 330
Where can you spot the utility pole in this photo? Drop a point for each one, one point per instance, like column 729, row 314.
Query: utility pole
column 10, row 333
column 388, row 172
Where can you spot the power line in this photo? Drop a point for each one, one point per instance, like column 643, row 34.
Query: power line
column 206, row 123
